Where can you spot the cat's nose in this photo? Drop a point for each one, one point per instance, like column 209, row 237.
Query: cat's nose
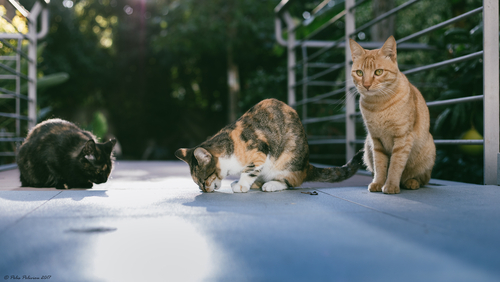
column 367, row 83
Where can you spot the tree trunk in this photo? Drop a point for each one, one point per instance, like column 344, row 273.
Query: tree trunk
column 233, row 83
column 382, row 30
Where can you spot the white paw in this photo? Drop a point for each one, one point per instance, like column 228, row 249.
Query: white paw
column 273, row 186
column 238, row 188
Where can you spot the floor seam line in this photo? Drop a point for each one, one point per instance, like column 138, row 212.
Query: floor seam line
column 427, row 226
column 374, row 209
column 24, row 216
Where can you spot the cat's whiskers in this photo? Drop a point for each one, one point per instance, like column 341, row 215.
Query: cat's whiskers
column 352, row 93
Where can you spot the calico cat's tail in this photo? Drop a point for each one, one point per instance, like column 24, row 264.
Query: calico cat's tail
column 335, row 174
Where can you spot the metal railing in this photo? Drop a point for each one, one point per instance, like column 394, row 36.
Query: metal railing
column 12, row 75
column 343, row 85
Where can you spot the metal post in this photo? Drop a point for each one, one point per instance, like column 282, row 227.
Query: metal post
column 32, row 35
column 18, row 87
column 291, row 57
column 491, row 91
column 305, row 67
column 350, row 102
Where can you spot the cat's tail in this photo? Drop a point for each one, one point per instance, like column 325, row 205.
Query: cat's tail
column 335, row 174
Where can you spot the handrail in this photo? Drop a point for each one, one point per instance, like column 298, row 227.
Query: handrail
column 14, row 48
column 13, row 71
column 319, row 97
column 438, row 26
column 15, row 131
column 357, row 4
column 383, row 16
column 308, row 62
column 445, row 63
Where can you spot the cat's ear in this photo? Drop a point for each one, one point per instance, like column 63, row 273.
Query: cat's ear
column 110, row 145
column 389, row 49
column 89, row 147
column 181, row 154
column 356, row 49
column 202, row 156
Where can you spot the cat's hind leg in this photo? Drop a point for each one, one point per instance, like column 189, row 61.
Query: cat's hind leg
column 273, row 186
column 257, row 184
column 24, row 182
column 411, row 184
column 84, row 185
column 417, row 181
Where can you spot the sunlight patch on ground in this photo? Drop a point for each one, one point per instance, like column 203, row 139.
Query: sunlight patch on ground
column 147, row 249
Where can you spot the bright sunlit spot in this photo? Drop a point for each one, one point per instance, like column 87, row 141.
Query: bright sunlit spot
column 17, row 24
column 146, row 249
column 128, row 10
column 67, row 3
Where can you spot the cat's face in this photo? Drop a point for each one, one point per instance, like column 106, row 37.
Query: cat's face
column 374, row 71
column 203, row 167
column 97, row 161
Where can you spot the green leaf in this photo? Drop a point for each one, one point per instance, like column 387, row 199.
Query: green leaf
column 47, row 81
column 441, row 119
column 450, row 94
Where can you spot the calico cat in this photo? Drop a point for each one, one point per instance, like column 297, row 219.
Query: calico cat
column 268, row 146
column 56, row 153
column 399, row 148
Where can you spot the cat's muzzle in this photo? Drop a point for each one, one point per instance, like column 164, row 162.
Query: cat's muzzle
column 101, row 179
column 212, row 184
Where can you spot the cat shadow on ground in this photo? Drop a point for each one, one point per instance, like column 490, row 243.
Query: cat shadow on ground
column 254, row 201
column 30, row 196
column 227, row 202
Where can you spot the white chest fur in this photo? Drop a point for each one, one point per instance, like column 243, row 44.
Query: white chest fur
column 229, row 166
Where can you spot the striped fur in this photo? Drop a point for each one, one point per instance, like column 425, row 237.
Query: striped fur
column 399, row 148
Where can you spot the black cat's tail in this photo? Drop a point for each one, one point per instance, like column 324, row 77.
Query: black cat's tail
column 335, row 174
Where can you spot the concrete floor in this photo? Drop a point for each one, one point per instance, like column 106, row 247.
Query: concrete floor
column 151, row 223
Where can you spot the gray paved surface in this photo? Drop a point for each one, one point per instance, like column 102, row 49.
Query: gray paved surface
column 150, row 223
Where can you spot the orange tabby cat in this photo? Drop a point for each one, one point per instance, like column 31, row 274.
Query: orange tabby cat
column 399, row 148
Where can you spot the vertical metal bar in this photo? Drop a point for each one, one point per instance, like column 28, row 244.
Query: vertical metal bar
column 350, row 102
column 18, row 88
column 305, row 67
column 491, row 91
column 291, row 57
column 32, row 34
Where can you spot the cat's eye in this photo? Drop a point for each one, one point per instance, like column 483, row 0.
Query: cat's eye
column 379, row 72
column 359, row 72
column 210, row 176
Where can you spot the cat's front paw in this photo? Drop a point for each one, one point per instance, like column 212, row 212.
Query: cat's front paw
column 238, row 188
column 375, row 187
column 61, row 185
column 273, row 186
column 390, row 189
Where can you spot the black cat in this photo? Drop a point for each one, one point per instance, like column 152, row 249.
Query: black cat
column 56, row 153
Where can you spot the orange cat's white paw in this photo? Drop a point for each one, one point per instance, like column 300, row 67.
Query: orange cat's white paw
column 273, row 186
column 238, row 188
column 390, row 189
column 375, row 187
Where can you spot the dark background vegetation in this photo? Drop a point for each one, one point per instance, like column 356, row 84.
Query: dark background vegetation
column 154, row 72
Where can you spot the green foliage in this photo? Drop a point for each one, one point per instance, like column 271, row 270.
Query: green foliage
column 159, row 73
column 98, row 125
column 462, row 79
column 8, row 126
column 47, row 81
